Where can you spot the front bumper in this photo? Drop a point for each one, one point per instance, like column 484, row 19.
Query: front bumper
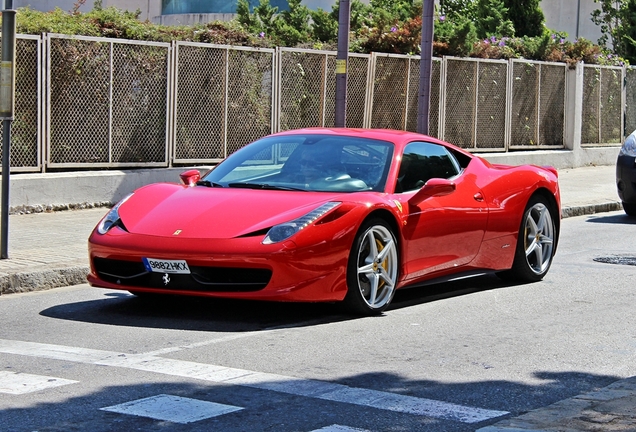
column 229, row 268
column 626, row 178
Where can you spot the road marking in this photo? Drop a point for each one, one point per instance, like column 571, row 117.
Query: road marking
column 172, row 408
column 264, row 381
column 232, row 337
column 338, row 428
column 21, row 383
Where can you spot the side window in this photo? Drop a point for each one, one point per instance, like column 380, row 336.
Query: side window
column 423, row 161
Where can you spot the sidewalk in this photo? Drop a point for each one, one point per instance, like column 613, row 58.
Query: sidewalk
column 49, row 250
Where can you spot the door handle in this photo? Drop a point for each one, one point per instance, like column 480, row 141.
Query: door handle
column 478, row 197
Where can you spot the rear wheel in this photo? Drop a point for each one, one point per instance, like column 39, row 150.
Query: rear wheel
column 630, row 208
column 536, row 242
column 372, row 270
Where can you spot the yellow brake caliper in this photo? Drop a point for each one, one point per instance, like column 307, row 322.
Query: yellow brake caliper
column 384, row 264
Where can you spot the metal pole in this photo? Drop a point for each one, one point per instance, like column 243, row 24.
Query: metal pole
column 426, row 64
column 578, row 17
column 342, row 58
column 7, row 104
column 6, row 139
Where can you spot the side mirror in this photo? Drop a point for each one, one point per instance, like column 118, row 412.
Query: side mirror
column 190, row 177
column 434, row 187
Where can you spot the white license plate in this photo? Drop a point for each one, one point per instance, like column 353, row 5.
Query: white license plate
column 166, row 266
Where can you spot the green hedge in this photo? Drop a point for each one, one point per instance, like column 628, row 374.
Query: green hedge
column 392, row 26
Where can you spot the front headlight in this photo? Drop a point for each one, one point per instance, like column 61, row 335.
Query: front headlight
column 629, row 148
column 285, row 230
column 112, row 218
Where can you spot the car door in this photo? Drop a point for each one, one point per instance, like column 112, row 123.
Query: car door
column 444, row 231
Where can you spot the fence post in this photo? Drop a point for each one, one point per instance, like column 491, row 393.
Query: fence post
column 574, row 108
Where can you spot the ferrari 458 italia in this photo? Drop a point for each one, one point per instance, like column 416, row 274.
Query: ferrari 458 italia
column 330, row 215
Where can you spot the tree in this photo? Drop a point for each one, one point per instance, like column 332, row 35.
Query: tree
column 289, row 27
column 458, row 8
column 617, row 19
column 527, row 17
column 492, row 19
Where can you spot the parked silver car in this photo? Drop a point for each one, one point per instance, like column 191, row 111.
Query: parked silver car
column 626, row 174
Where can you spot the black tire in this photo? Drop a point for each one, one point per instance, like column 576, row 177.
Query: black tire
column 630, row 208
column 372, row 269
column 536, row 242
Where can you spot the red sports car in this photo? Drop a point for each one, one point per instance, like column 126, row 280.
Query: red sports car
column 330, row 215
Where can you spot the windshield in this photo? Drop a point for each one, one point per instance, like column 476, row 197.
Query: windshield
column 307, row 162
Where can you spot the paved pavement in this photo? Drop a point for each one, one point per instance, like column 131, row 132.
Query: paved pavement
column 48, row 250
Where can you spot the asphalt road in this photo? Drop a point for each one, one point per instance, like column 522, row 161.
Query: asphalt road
column 453, row 357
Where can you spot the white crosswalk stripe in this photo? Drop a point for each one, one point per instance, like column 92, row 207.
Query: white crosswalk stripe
column 22, row 383
column 172, row 408
column 264, row 381
column 338, row 428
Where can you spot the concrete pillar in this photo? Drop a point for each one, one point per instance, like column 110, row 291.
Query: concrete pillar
column 574, row 108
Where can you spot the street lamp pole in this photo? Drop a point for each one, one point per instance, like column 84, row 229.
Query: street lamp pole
column 426, row 64
column 342, row 59
column 7, row 105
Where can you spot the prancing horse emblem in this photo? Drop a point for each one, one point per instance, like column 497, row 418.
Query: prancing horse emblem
column 166, row 279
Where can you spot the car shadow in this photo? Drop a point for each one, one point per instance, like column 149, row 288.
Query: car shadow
column 194, row 313
column 613, row 219
column 235, row 316
column 417, row 295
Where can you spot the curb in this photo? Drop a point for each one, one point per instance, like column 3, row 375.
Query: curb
column 42, row 280
column 609, row 409
column 582, row 210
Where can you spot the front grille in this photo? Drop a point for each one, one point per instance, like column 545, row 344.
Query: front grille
column 202, row 279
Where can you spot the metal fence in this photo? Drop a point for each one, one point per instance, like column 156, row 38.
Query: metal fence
column 85, row 102
column 475, row 103
column 26, row 128
column 106, row 102
column 538, row 104
column 307, row 89
column 603, row 103
column 224, row 98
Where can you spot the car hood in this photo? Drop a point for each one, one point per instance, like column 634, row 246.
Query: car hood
column 206, row 212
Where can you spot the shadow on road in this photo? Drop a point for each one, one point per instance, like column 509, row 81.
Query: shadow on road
column 267, row 410
column 224, row 315
column 621, row 219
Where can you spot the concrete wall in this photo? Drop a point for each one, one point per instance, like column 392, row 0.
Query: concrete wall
column 54, row 191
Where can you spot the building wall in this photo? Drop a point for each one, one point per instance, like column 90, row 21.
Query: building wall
column 573, row 17
column 148, row 8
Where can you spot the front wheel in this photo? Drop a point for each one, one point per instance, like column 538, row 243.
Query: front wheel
column 372, row 270
column 630, row 208
column 536, row 243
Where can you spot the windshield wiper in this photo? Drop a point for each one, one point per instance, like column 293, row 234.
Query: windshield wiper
column 263, row 186
column 208, row 183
